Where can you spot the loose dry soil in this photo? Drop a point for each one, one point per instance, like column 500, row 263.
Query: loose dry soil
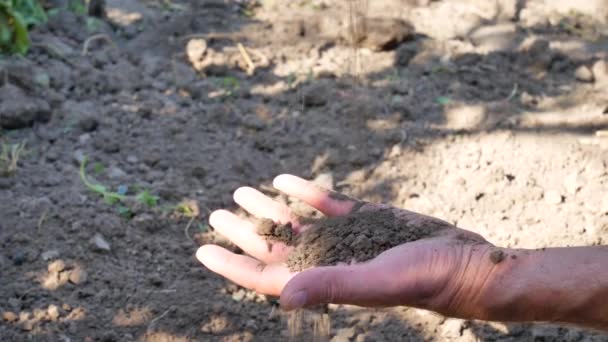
column 490, row 115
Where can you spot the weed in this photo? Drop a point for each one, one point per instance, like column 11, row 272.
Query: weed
column 120, row 196
column 9, row 158
column 187, row 208
column 16, row 16
column 77, row 7
column 228, row 84
column 443, row 100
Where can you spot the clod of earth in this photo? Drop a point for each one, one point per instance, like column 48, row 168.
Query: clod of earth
column 357, row 237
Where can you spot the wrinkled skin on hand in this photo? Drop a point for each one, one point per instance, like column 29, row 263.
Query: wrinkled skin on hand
column 450, row 273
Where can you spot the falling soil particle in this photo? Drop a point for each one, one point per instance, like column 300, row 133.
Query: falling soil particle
column 359, row 236
column 497, row 256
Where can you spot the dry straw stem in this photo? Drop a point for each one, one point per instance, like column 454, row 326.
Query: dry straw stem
column 103, row 36
column 247, row 58
column 357, row 12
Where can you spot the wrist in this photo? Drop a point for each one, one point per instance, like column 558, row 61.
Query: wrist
column 561, row 285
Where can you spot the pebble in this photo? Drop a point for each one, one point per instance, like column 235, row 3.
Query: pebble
column 239, row 295
column 572, row 183
column 19, row 257
column 9, row 316
column 78, row 157
column 195, row 50
column 100, row 243
column 56, row 266
column 50, row 255
column 132, row 159
column 553, row 197
column 52, row 312
column 84, row 138
column 78, row 276
column 583, row 74
column 115, row 172
column 88, row 124
column 600, row 72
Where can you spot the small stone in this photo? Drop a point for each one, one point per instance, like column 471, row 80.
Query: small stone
column 19, row 257
column 600, row 72
column 50, row 255
column 131, row 159
column 78, row 276
column 116, row 173
column 56, row 266
column 316, row 94
column 9, row 316
column 100, row 243
column 78, row 157
column 195, row 50
column 84, row 138
column 583, row 74
column 572, row 183
column 553, row 197
column 251, row 325
column 27, row 325
column 52, row 312
column 42, row 79
column 239, row 295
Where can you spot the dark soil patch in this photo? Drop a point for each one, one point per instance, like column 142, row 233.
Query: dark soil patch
column 357, row 237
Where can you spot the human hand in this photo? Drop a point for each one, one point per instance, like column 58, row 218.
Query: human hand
column 448, row 272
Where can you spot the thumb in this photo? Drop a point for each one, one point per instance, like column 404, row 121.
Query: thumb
column 361, row 284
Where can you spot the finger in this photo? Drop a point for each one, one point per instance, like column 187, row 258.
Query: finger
column 328, row 202
column 363, row 285
column 244, row 270
column 242, row 233
column 261, row 205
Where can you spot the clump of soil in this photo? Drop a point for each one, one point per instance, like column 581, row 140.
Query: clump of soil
column 273, row 231
column 357, row 237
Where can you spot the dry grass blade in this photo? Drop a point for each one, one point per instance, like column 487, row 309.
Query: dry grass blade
column 357, row 30
column 9, row 157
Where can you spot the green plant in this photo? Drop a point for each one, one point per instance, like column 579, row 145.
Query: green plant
column 230, row 84
column 16, row 16
column 119, row 196
column 77, row 7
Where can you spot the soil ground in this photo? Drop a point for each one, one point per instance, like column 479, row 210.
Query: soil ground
column 491, row 116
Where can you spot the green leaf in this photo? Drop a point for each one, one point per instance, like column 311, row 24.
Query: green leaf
column 98, row 168
column 125, row 211
column 146, row 198
column 442, row 100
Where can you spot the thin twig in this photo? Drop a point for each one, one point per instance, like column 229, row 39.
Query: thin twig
column 42, row 218
column 247, row 58
column 153, row 322
column 85, row 47
column 512, row 94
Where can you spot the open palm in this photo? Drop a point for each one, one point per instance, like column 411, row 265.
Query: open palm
column 444, row 273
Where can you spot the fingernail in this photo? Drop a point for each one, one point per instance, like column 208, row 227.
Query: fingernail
column 297, row 301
